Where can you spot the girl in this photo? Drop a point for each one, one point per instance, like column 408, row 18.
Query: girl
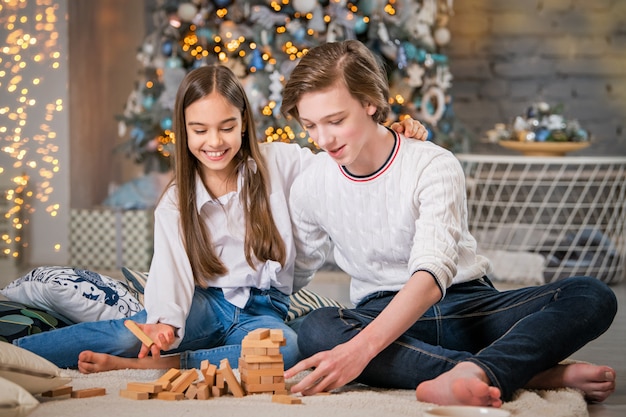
column 223, row 254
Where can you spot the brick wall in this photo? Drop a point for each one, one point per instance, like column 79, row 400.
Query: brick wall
column 505, row 55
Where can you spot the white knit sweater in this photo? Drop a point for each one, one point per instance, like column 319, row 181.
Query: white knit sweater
column 410, row 215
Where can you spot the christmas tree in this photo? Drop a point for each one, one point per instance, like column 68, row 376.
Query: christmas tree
column 262, row 40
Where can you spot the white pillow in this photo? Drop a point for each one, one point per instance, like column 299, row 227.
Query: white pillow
column 28, row 370
column 15, row 401
column 77, row 294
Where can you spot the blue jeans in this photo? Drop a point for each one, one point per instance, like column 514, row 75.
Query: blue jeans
column 512, row 335
column 214, row 331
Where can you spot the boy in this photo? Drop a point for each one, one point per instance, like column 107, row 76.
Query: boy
column 426, row 316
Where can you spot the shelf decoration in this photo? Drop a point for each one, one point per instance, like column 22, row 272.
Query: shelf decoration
column 542, row 131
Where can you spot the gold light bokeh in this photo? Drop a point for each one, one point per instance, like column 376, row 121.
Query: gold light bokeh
column 29, row 51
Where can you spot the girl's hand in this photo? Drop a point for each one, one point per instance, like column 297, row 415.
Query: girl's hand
column 163, row 335
column 411, row 128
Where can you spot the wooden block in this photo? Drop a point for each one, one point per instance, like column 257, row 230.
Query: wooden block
column 88, row 392
column 272, row 365
column 192, row 392
column 250, row 379
column 132, row 326
column 168, row 377
column 262, row 343
column 148, row 387
column 245, row 365
column 276, row 335
column 281, row 392
column 262, row 372
column 134, row 395
column 231, row 379
column 209, row 375
column 255, row 351
column 264, row 359
column 257, row 334
column 183, row 382
column 220, row 382
column 259, row 388
column 169, row 396
column 273, row 351
column 204, row 365
column 267, row 380
column 58, row 392
column 217, row 391
column 285, row 399
column 204, row 391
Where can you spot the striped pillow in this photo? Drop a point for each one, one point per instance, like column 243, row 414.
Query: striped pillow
column 301, row 302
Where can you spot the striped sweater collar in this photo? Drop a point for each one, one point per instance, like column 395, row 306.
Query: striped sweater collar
column 380, row 171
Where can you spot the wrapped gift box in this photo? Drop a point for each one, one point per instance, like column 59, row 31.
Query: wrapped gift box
column 107, row 239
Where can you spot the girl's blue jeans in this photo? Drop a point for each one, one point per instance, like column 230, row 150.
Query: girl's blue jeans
column 512, row 335
column 214, row 331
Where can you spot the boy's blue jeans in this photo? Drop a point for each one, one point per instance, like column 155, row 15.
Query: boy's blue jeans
column 214, row 331
column 512, row 335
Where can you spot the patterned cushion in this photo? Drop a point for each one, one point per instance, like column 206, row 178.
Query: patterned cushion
column 77, row 294
column 301, row 302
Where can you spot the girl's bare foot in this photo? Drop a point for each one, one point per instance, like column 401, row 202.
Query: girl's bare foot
column 91, row 362
column 465, row 384
column 597, row 382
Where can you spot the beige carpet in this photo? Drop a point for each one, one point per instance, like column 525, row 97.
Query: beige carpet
column 354, row 400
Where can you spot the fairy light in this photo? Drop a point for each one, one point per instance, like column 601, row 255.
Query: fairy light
column 27, row 138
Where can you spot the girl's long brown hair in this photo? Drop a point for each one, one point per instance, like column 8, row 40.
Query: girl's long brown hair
column 262, row 239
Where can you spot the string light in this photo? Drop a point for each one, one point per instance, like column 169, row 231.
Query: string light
column 29, row 51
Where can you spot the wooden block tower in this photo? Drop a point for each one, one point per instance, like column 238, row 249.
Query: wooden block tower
column 261, row 365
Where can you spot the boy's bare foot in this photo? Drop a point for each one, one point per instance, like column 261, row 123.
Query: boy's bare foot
column 91, row 362
column 465, row 384
column 597, row 382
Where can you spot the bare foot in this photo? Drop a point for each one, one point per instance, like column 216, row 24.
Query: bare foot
column 465, row 384
column 597, row 382
column 91, row 362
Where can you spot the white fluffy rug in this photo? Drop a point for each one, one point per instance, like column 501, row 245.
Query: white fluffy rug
column 352, row 401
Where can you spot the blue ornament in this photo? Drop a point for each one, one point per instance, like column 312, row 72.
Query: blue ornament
column 138, row 135
column 360, row 26
column 421, row 55
column 438, row 58
column 410, row 50
column 541, row 135
column 222, row 3
column 167, row 48
column 367, row 6
column 401, row 59
column 148, row 102
column 204, row 33
column 198, row 63
column 174, row 62
column 257, row 61
column 299, row 34
column 166, row 123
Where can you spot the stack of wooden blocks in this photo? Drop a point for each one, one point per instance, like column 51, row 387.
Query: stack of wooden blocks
column 261, row 364
column 261, row 370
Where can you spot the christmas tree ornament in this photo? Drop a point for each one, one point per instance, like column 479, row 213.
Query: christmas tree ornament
column 187, row 11
column 442, row 36
column 304, row 6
